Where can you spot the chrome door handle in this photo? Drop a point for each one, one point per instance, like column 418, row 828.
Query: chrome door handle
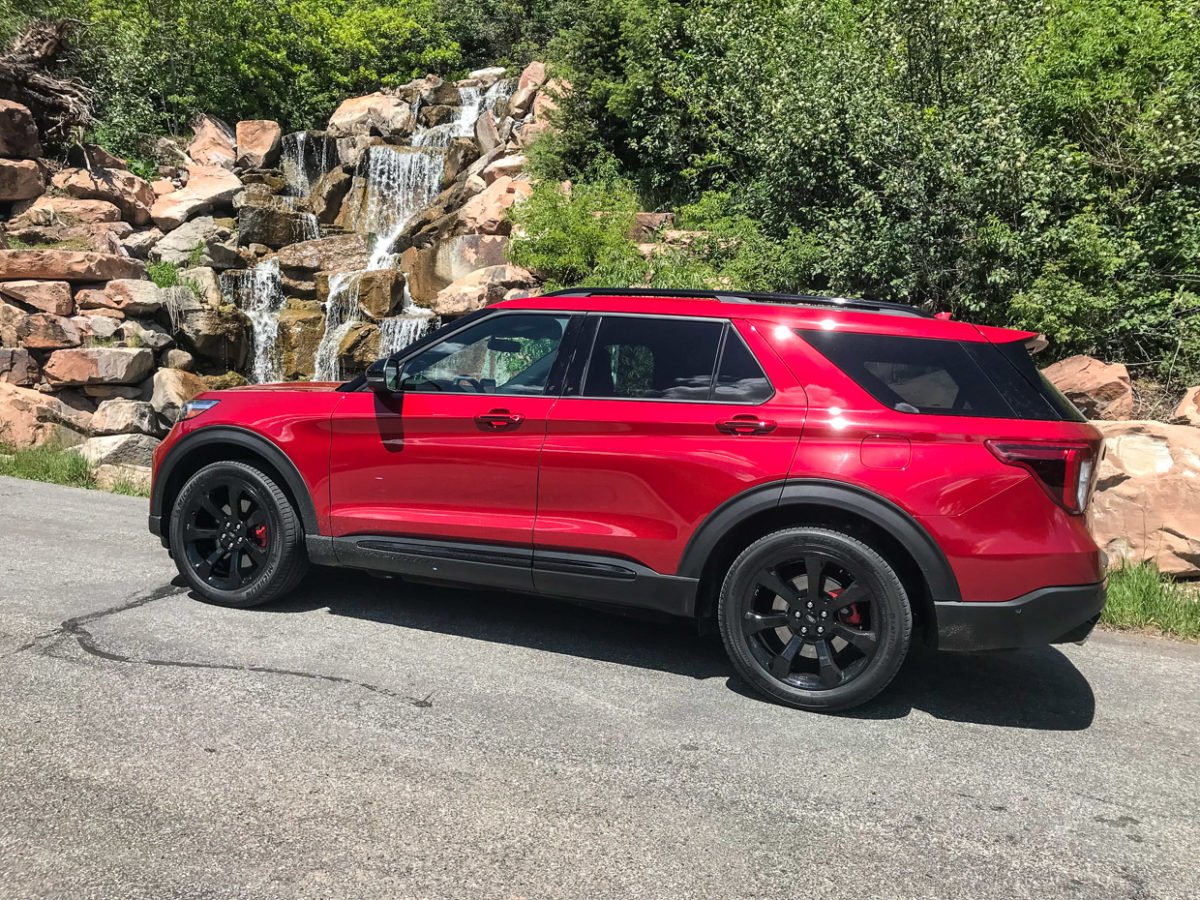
column 746, row 425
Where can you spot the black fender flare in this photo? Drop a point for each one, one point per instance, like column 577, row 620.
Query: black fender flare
column 816, row 492
column 243, row 439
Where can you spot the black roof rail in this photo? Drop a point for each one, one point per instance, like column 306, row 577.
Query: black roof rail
column 850, row 303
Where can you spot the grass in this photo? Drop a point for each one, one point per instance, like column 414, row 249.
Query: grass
column 166, row 275
column 1140, row 598
column 58, row 466
column 15, row 243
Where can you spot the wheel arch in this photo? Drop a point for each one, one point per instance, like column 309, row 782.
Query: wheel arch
column 219, row 443
column 739, row 522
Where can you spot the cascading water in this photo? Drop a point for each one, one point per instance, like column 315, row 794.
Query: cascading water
column 298, row 158
column 398, row 332
column 259, row 294
column 400, row 183
column 342, row 312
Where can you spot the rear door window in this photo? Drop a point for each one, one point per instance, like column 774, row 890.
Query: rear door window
column 643, row 358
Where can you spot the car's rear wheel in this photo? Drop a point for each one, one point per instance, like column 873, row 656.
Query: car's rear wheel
column 236, row 537
column 814, row 618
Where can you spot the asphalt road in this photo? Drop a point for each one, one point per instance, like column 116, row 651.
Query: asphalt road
column 369, row 738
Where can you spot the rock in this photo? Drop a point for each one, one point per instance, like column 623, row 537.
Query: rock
column 487, row 132
column 337, row 253
column 138, row 244
column 111, row 477
column 204, row 284
column 306, row 156
column 47, row 211
column 533, row 75
column 132, row 195
column 171, row 389
column 328, row 194
column 301, row 328
column 189, row 242
column 43, row 331
column 102, row 392
column 506, row 166
column 1100, row 390
column 18, row 367
column 208, row 188
column 98, row 365
column 520, row 103
column 258, row 143
column 436, row 266
column 1145, row 506
column 103, row 327
column 29, row 418
column 45, row 296
column 133, row 298
column 18, row 132
column 272, row 226
column 1186, row 413
column 545, row 104
column 486, row 213
column 479, row 289
column 219, row 337
column 380, row 292
column 648, row 224
column 145, row 333
column 163, row 186
column 120, row 416
column 11, row 319
column 377, row 112
column 432, row 116
column 350, row 149
column 119, row 450
column 433, row 91
column 487, row 76
column 459, row 155
column 212, row 143
column 531, row 132
column 20, row 179
column 177, row 359
column 93, row 156
column 67, row 265
column 358, row 349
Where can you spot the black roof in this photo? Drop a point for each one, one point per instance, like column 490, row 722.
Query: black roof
column 850, row 303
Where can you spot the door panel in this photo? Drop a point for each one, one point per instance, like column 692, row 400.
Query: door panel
column 634, row 478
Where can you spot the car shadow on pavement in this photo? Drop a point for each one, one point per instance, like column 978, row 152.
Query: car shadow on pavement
column 1036, row 689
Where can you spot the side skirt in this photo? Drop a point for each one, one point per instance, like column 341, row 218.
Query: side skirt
column 584, row 578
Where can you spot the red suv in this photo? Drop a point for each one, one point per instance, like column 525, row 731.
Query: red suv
column 822, row 479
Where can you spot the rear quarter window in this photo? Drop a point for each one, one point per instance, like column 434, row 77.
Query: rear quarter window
column 926, row 375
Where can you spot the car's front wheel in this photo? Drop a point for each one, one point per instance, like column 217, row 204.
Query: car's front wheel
column 814, row 618
column 235, row 536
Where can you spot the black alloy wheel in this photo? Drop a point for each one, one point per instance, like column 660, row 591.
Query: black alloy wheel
column 815, row 618
column 235, row 536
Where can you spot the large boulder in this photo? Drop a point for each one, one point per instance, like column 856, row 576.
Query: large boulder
column 1186, row 413
column 170, row 389
column 12, row 318
column 119, row 450
column 380, row 292
column 122, row 416
column 1100, row 390
column 98, row 365
column 67, row 265
column 193, row 241
column 273, row 226
column 29, row 418
column 437, row 265
column 479, row 289
column 133, row 298
column 45, row 296
column 48, row 211
column 208, row 188
column 138, row 244
column 1145, row 505
column 533, row 75
column 487, row 212
column 258, row 142
column 359, row 348
column 379, row 113
column 212, row 143
column 328, row 195
column 18, row 367
column 301, row 327
column 18, row 132
column 20, row 179
column 42, row 331
column 509, row 166
column 132, row 195
column 218, row 337
column 337, row 253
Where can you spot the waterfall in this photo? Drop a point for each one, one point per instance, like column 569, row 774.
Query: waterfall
column 295, row 163
column 400, row 183
column 309, row 228
column 259, row 294
column 341, row 313
column 471, row 105
column 398, row 332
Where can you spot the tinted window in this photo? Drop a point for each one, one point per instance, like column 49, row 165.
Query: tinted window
column 931, row 376
column 504, row 354
column 740, row 379
column 652, row 359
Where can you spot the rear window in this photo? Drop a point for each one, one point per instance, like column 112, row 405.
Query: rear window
column 948, row 378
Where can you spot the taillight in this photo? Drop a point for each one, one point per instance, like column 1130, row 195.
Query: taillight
column 1064, row 470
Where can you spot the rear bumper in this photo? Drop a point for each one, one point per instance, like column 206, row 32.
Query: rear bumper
column 1054, row 615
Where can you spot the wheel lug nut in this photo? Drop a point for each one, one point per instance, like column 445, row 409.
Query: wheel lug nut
column 824, row 615
column 820, row 630
column 810, row 604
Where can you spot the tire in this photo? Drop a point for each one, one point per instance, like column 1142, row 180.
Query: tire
column 240, row 560
column 769, row 619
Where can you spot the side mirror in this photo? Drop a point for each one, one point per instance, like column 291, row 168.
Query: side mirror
column 383, row 376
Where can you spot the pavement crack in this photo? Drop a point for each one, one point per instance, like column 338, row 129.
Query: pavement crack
column 76, row 628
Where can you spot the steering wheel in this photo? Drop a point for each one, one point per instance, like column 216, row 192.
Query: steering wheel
column 460, row 380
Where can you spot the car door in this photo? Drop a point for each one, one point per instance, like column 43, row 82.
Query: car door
column 660, row 423
column 452, row 457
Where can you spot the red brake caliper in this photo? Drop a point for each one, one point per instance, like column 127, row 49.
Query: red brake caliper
column 850, row 615
column 260, row 535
